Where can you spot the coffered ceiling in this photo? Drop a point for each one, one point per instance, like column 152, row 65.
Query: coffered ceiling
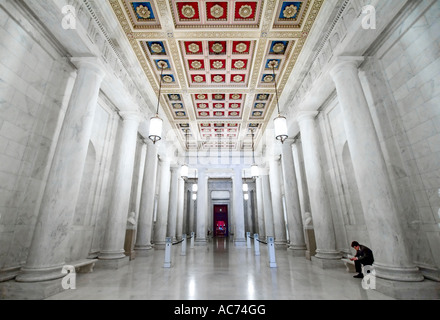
column 217, row 79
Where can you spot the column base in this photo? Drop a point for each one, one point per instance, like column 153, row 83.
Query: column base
column 112, row 264
column 281, row 245
column 159, row 246
column 405, row 274
column 40, row 274
column 423, row 290
column 112, row 255
column 297, row 251
column 327, row 263
column 143, row 251
column 328, row 255
column 93, row 255
column 9, row 273
column 13, row 290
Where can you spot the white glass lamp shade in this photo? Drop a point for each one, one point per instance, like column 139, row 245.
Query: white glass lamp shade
column 246, row 196
column 280, row 125
column 194, row 197
column 195, row 187
column 156, row 124
column 184, row 171
column 245, row 187
column 255, row 172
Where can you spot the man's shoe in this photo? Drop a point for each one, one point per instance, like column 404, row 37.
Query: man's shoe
column 360, row 276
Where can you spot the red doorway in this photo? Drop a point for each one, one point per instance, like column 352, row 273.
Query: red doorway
column 220, row 220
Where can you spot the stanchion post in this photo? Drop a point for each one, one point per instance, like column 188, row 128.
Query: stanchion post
column 271, row 248
column 248, row 240
column 183, row 253
column 192, row 240
column 256, row 245
column 168, row 245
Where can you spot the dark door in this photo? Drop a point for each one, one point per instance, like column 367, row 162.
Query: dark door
column 220, row 221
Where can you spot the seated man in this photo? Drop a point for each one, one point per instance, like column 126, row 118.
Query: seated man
column 363, row 257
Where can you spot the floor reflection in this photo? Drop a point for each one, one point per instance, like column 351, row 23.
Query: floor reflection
column 221, row 252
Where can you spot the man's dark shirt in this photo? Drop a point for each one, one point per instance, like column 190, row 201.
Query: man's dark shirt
column 365, row 255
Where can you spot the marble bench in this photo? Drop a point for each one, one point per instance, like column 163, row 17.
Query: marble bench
column 84, row 266
column 349, row 265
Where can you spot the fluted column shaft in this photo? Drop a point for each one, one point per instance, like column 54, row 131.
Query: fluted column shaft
column 50, row 240
column 238, row 205
column 277, row 202
column 172, row 208
column 146, row 210
column 260, row 208
column 160, row 230
column 267, row 203
column 192, row 214
column 113, row 247
column 392, row 259
column 303, row 193
column 202, row 207
column 180, row 207
column 294, row 217
column 320, row 204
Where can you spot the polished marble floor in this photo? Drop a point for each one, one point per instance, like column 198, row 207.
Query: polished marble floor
column 219, row 271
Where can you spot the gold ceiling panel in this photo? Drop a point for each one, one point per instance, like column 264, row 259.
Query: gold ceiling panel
column 213, row 51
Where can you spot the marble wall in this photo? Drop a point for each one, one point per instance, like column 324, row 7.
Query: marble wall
column 35, row 84
column 407, row 69
column 343, row 192
column 92, row 205
column 400, row 77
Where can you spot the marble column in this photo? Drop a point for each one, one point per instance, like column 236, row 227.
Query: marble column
column 294, row 217
column 202, row 207
column 50, row 239
column 238, row 205
column 192, row 213
column 172, row 207
column 113, row 245
column 326, row 253
column 160, row 229
column 267, row 203
column 303, row 192
column 249, row 212
column 180, row 207
column 388, row 242
column 277, row 203
column 260, row 208
column 146, row 209
column 304, row 201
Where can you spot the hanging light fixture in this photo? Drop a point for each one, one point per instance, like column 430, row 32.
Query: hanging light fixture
column 254, row 167
column 184, row 170
column 156, row 123
column 280, row 122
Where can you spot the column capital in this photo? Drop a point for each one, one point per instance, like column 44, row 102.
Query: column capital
column 131, row 115
column 264, row 171
column 288, row 143
column 275, row 158
column 345, row 63
column 164, row 159
column 89, row 63
column 306, row 115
